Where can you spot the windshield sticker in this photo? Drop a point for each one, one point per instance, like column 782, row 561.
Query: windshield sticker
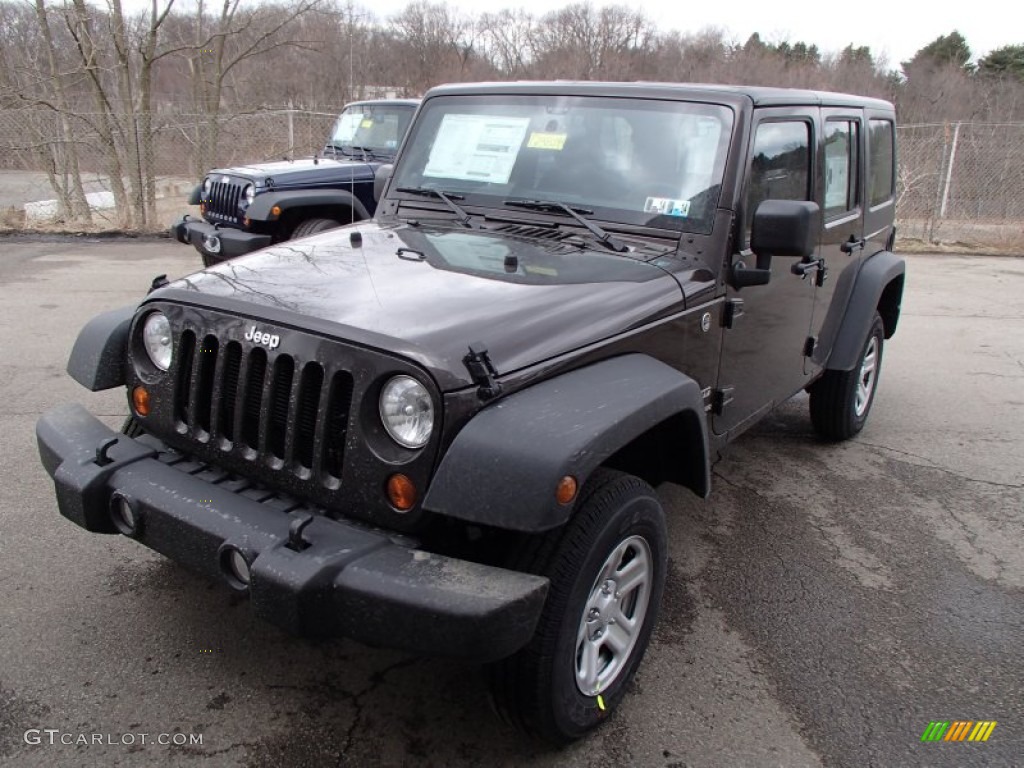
column 366, row 123
column 476, row 148
column 348, row 124
column 667, row 206
column 539, row 140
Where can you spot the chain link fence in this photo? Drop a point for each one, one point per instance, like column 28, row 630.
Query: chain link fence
column 958, row 183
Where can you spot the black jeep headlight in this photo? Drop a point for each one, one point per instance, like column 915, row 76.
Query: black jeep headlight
column 207, row 186
column 250, row 193
column 156, row 338
column 407, row 411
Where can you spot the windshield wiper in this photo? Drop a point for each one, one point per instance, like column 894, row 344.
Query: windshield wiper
column 448, row 198
column 605, row 238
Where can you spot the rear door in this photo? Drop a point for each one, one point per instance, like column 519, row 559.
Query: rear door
column 840, row 197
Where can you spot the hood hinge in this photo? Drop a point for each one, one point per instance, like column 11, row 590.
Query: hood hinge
column 481, row 370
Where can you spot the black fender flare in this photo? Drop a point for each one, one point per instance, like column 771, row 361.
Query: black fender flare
column 98, row 356
column 503, row 467
column 196, row 197
column 876, row 273
column 303, row 198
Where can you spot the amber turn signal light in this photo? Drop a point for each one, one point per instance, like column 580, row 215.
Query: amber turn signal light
column 401, row 492
column 140, row 399
column 275, row 211
column 566, row 490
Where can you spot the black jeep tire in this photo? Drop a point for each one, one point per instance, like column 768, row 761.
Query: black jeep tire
column 617, row 532
column 841, row 400
column 312, row 226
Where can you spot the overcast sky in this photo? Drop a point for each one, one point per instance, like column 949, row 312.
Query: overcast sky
column 896, row 28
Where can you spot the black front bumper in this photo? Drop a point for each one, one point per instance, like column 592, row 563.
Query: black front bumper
column 339, row 580
column 233, row 242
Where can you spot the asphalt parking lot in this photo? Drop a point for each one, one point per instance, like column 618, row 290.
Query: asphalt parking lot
column 824, row 604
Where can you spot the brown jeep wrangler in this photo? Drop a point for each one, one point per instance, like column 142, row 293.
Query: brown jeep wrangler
column 440, row 430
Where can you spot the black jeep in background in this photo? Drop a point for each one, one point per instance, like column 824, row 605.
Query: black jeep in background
column 253, row 206
column 441, row 430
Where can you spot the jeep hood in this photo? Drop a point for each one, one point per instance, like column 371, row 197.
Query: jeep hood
column 427, row 293
column 302, row 172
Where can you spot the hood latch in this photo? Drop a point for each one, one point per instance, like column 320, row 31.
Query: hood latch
column 481, row 370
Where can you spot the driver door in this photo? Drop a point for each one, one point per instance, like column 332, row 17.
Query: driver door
column 762, row 357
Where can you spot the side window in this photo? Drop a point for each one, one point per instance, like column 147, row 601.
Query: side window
column 841, row 143
column 880, row 174
column 780, row 168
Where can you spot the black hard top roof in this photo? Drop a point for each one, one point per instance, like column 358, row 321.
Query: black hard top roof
column 387, row 102
column 761, row 96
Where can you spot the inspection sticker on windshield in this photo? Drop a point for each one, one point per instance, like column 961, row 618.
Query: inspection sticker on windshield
column 542, row 140
column 667, row 206
column 476, row 147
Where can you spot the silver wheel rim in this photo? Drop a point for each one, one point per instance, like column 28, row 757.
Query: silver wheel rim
column 613, row 616
column 866, row 380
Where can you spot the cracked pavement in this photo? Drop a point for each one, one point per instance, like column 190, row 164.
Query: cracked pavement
column 823, row 605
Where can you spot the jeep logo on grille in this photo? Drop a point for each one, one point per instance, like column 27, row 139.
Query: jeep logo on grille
column 259, row 337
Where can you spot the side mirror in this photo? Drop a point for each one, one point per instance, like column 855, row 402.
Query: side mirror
column 380, row 180
column 780, row 228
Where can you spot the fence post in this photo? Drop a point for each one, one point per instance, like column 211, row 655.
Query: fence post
column 291, row 128
column 949, row 171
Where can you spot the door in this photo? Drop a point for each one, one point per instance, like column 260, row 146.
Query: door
column 762, row 353
column 842, row 246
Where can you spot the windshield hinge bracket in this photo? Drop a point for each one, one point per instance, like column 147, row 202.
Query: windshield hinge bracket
column 481, row 370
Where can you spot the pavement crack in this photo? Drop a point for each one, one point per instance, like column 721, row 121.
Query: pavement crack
column 932, row 465
column 376, row 680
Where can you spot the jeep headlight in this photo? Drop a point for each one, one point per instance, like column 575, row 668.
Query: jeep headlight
column 250, row 193
column 156, row 338
column 407, row 411
column 207, row 186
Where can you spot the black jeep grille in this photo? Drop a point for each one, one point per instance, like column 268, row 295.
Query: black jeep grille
column 264, row 407
column 222, row 202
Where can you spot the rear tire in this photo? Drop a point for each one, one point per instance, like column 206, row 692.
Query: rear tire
column 841, row 400
column 313, row 226
column 607, row 569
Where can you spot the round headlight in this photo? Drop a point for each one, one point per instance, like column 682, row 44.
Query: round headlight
column 250, row 193
column 207, row 185
column 156, row 337
column 407, row 411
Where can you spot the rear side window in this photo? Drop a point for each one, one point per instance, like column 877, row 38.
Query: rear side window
column 780, row 168
column 841, row 144
column 880, row 175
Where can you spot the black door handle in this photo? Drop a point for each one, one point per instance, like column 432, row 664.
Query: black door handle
column 853, row 244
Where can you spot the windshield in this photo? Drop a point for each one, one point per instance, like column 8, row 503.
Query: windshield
column 371, row 127
column 633, row 161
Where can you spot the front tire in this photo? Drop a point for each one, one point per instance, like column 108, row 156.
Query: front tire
column 313, row 226
column 607, row 569
column 841, row 400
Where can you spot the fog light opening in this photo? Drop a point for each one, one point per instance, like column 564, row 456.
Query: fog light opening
column 211, row 243
column 123, row 515
column 236, row 568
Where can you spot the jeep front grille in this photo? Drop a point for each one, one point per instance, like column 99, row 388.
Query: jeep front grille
column 264, row 407
column 222, row 202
